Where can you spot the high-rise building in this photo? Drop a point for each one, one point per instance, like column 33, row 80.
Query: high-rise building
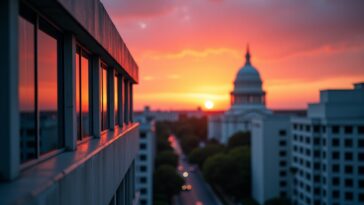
column 328, row 150
column 247, row 102
column 325, row 151
column 144, row 162
column 66, row 88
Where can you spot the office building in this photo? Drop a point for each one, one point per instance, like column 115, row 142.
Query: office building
column 328, row 150
column 144, row 162
column 270, row 157
column 66, row 88
column 325, row 152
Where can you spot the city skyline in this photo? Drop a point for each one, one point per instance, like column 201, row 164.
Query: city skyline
column 194, row 49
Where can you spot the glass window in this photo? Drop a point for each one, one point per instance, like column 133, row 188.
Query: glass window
column 82, row 94
column 38, row 89
column 47, row 92
column 126, row 102
column 116, row 100
column 27, row 91
column 103, row 96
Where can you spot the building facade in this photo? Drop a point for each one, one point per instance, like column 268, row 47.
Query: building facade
column 68, row 135
column 247, row 102
column 145, row 160
column 325, row 151
column 270, row 157
column 328, row 150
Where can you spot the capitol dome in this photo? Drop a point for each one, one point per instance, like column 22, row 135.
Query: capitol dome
column 247, row 86
column 248, row 78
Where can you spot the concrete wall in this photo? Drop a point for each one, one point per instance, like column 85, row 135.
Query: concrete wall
column 90, row 175
column 99, row 24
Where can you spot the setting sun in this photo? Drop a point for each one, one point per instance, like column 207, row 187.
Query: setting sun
column 209, row 104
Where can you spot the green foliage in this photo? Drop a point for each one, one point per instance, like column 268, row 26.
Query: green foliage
column 239, row 139
column 188, row 143
column 166, row 158
column 190, row 127
column 230, row 171
column 167, row 181
column 199, row 155
column 249, row 201
column 160, row 199
column 278, row 201
column 163, row 130
column 212, row 141
column 163, row 145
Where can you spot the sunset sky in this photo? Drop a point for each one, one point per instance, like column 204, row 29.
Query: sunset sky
column 189, row 51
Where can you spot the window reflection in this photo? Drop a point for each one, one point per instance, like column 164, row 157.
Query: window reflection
column 82, row 94
column 26, row 90
column 116, row 100
column 47, row 92
column 103, row 96
column 38, row 90
column 78, row 95
column 85, row 119
column 126, row 102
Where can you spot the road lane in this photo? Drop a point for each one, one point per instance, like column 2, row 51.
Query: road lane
column 200, row 194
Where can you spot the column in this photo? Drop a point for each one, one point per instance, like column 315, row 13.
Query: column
column 9, row 104
column 70, row 122
column 96, row 96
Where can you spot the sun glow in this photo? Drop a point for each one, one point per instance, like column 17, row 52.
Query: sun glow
column 209, row 104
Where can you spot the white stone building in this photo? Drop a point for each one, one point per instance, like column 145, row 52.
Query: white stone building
column 144, row 162
column 325, row 151
column 247, row 102
column 270, row 152
column 328, row 150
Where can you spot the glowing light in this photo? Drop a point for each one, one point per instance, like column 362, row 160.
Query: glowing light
column 185, row 174
column 209, row 104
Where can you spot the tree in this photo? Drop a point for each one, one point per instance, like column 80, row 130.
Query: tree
column 239, row 139
column 278, row 201
column 199, row 155
column 188, row 143
column 167, row 181
column 163, row 145
column 230, row 171
column 166, row 158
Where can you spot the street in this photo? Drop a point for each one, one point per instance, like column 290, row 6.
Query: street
column 200, row 194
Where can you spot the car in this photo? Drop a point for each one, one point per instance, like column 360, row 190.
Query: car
column 186, row 187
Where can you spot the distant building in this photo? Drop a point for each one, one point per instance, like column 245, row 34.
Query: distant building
column 171, row 116
column 67, row 131
column 247, row 102
column 325, row 151
column 145, row 161
column 328, row 150
column 159, row 115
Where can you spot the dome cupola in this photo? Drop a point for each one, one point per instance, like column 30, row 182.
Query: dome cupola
column 247, row 85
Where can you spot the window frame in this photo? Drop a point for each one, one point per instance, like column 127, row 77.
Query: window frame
column 83, row 52
column 40, row 23
column 104, row 66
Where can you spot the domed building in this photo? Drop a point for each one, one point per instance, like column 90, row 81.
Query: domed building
column 247, row 102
